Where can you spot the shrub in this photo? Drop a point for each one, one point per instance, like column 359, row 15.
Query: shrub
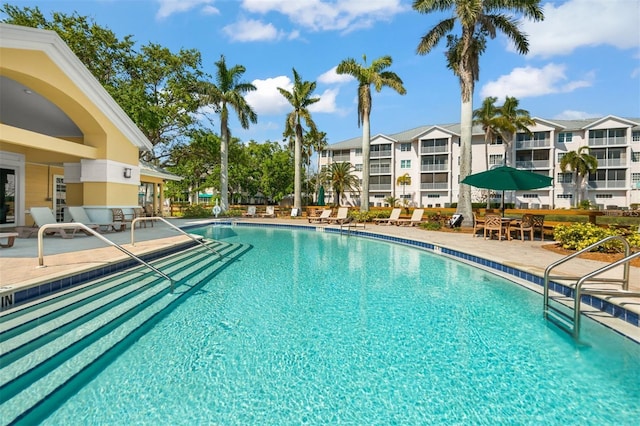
column 577, row 236
column 361, row 216
column 431, row 226
column 196, row 211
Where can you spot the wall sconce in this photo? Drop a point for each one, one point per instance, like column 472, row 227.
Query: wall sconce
column 127, row 173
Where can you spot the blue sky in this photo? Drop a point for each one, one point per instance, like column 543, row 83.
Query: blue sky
column 584, row 58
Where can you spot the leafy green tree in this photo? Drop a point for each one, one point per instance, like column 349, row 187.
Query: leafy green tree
column 277, row 173
column 511, row 120
column 488, row 117
column 318, row 142
column 300, row 99
column 477, row 21
column 580, row 163
column 341, row 179
column 228, row 91
column 375, row 75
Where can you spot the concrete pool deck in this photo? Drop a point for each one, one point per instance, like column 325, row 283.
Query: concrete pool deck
column 63, row 257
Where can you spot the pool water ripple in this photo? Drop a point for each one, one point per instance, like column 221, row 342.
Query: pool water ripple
column 311, row 328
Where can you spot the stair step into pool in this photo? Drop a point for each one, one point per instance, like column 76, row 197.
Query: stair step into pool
column 47, row 347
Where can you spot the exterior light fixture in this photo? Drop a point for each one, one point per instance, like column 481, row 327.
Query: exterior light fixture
column 127, row 173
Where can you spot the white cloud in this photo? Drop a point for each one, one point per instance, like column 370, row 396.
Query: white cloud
column 331, row 77
column 169, row 7
column 252, row 30
column 529, row 82
column 320, row 15
column 266, row 99
column 579, row 23
column 327, row 102
column 576, row 115
column 635, row 72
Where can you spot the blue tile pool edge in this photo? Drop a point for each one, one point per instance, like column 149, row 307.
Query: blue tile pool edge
column 595, row 302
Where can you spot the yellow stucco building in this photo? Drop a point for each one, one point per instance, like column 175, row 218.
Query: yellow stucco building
column 63, row 139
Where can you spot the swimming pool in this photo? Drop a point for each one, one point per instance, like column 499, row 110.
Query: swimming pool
column 317, row 328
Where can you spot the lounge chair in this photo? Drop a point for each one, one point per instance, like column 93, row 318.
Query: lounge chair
column 269, row 212
column 251, row 212
column 393, row 217
column 416, row 219
column 79, row 214
column 10, row 236
column 326, row 214
column 341, row 217
column 44, row 216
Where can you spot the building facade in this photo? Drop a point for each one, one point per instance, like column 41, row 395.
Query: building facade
column 430, row 157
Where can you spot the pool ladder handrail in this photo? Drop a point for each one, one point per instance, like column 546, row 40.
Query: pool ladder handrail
column 197, row 240
column 85, row 228
column 582, row 280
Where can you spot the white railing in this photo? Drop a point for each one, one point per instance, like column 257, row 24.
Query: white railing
column 612, row 162
column 432, row 149
column 443, row 185
column 613, row 140
column 435, row 167
column 532, row 164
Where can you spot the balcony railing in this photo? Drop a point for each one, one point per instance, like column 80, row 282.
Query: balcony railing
column 533, row 164
column 612, row 162
column 434, row 167
column 602, row 184
column 537, row 143
column 433, row 149
column 380, row 187
column 613, row 140
column 380, row 154
column 442, row 185
column 377, row 170
column 341, row 158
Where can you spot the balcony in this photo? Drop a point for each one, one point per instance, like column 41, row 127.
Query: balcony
column 342, row 158
column 533, row 164
column 602, row 184
column 537, row 143
column 429, row 186
column 434, row 167
column 380, row 154
column 612, row 140
column 384, row 169
column 433, row 149
column 380, row 187
column 612, row 162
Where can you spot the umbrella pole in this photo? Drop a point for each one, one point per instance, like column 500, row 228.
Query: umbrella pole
column 503, row 203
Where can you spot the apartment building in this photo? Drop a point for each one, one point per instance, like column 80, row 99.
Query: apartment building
column 430, row 156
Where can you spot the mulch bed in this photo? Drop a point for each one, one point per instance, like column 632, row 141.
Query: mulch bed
column 602, row 257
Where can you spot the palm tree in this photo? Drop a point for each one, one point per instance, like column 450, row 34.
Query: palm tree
column 512, row 119
column 367, row 76
column 228, row 91
column 318, row 142
column 340, row 178
column 478, row 20
column 487, row 117
column 300, row 99
column 581, row 163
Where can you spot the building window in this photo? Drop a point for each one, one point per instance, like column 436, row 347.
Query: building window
column 406, row 196
column 495, row 159
column 635, row 136
column 635, row 177
column 635, row 156
column 497, row 141
column 529, row 195
column 565, row 137
column 564, row 196
column 564, row 178
column 560, row 156
column 358, row 167
column 604, row 195
column 405, row 147
column 324, row 154
column 433, row 195
column 405, row 164
column 358, row 152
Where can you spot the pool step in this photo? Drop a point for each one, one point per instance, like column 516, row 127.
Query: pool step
column 45, row 365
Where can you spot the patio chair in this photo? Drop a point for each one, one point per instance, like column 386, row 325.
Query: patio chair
column 494, row 224
column 341, row 217
column 140, row 212
column 478, row 224
column 79, row 215
column 118, row 216
column 10, row 236
column 251, row 212
column 416, row 219
column 523, row 226
column 393, row 216
column 44, row 216
column 270, row 211
column 538, row 224
column 326, row 213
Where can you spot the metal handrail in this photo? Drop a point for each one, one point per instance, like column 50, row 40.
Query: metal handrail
column 43, row 229
column 141, row 219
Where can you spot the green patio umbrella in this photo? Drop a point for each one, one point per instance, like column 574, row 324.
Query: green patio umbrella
column 321, row 196
column 507, row 179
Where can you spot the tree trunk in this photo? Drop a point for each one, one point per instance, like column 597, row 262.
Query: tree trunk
column 297, row 184
column 224, row 164
column 464, row 197
column 366, row 139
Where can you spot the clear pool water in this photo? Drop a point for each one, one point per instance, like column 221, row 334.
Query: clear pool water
column 313, row 328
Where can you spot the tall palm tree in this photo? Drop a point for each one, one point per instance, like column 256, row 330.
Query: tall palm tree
column 228, row 91
column 581, row 163
column 375, row 75
column 318, row 142
column 300, row 99
column 512, row 119
column 340, row 178
column 487, row 116
column 477, row 20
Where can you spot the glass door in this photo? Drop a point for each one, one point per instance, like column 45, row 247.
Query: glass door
column 59, row 197
column 7, row 196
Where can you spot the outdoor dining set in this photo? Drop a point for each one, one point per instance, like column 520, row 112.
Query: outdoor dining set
column 503, row 227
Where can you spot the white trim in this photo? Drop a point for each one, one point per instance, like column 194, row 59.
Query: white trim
column 100, row 171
